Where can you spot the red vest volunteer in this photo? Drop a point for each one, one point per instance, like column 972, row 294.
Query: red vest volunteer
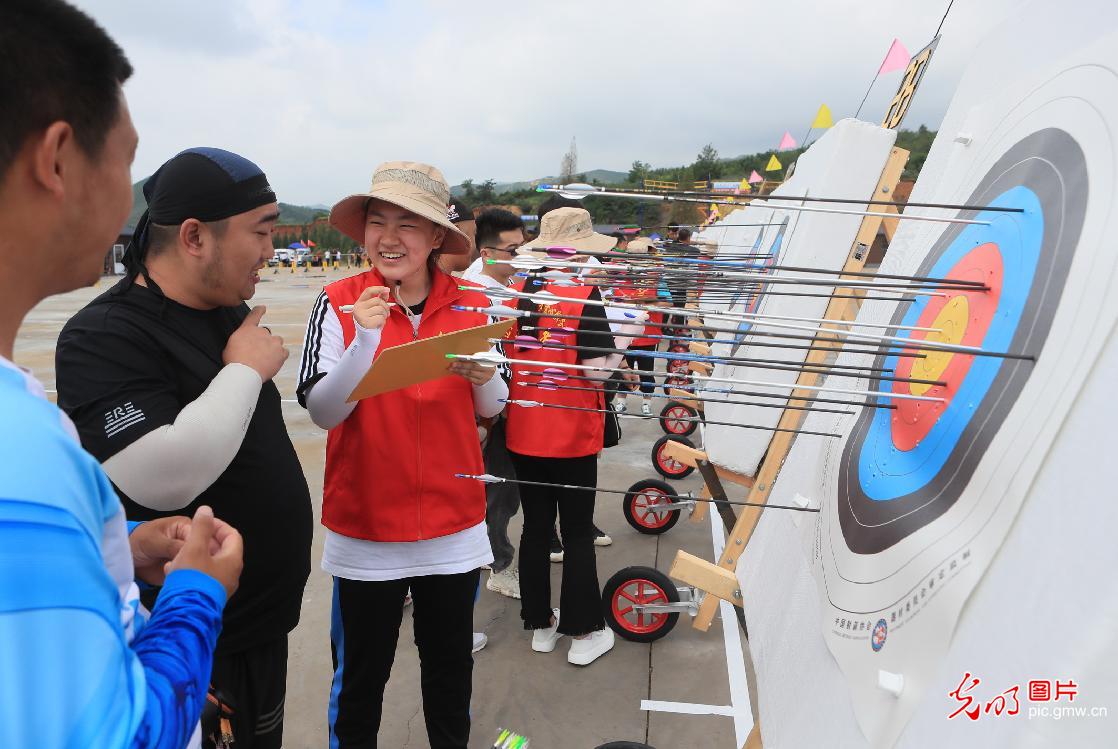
column 397, row 520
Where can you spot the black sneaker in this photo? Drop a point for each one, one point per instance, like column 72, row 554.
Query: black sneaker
column 556, row 549
column 601, row 538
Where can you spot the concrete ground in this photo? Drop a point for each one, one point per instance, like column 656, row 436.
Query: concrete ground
column 541, row 696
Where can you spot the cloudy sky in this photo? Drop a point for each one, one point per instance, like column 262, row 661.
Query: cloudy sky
column 318, row 92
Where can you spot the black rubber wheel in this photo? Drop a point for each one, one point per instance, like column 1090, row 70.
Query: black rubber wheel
column 639, row 507
column 678, row 366
column 677, row 382
column 665, row 466
column 678, row 419
column 642, row 585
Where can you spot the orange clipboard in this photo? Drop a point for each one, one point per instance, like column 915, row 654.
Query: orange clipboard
column 425, row 359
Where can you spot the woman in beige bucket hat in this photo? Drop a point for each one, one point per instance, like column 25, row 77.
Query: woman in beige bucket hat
column 560, row 445
column 395, row 516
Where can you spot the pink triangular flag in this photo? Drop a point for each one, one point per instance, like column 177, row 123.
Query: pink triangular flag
column 754, row 178
column 788, row 141
column 896, row 59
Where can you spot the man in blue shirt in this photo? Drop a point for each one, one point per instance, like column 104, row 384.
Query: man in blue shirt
column 81, row 664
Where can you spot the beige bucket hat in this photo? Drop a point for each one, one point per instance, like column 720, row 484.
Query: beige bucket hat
column 568, row 227
column 638, row 246
column 415, row 187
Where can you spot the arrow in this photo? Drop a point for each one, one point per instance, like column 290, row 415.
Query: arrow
column 494, row 359
column 488, row 478
column 578, row 191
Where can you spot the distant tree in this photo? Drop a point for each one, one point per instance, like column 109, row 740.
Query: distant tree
column 639, row 171
column 487, row 193
column 569, row 165
column 469, row 192
column 707, row 165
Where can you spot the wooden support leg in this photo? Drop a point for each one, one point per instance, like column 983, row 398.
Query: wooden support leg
column 753, row 740
column 701, row 508
column 837, row 309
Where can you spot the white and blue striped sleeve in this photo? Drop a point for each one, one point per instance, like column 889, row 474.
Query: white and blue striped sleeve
column 323, row 346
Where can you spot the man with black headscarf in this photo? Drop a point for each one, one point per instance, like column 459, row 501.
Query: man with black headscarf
column 168, row 377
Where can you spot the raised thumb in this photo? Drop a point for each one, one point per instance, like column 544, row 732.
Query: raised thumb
column 254, row 315
column 201, row 530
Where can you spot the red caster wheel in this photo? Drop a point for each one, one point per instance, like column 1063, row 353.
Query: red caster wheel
column 677, row 418
column 640, row 507
column 670, row 468
column 639, row 586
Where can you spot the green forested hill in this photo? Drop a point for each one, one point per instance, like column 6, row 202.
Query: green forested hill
column 707, row 165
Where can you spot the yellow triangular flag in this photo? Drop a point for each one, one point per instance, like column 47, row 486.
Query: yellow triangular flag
column 773, row 165
column 822, row 118
column 744, row 186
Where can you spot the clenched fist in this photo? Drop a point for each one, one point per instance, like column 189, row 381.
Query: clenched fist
column 255, row 346
column 371, row 308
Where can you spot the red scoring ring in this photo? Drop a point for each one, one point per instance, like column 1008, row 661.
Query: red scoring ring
column 913, row 420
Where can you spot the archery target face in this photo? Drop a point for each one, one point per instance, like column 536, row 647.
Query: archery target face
column 933, row 516
column 751, row 295
column 903, row 468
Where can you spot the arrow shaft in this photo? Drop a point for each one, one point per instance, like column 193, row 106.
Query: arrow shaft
column 833, row 370
column 489, row 479
column 538, row 404
column 797, row 208
column 750, row 393
column 796, row 198
column 702, row 399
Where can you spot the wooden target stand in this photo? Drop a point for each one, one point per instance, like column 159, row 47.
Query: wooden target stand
column 719, row 581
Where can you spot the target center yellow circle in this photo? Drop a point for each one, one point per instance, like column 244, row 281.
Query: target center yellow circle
column 951, row 326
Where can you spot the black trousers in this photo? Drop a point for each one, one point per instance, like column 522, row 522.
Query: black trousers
column 364, row 630
column 501, row 500
column 254, row 682
column 645, row 364
column 580, row 598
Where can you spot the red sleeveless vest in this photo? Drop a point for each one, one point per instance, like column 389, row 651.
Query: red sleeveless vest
column 643, row 294
column 390, row 465
column 555, row 432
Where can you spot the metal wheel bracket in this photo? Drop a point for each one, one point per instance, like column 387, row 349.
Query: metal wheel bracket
column 689, row 600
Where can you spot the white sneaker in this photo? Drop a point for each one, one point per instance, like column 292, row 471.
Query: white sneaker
column 587, row 650
column 506, row 582
column 601, row 538
column 543, row 640
column 646, row 408
column 619, row 405
column 480, row 641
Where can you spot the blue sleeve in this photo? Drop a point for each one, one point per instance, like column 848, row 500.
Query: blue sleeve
column 176, row 650
column 69, row 677
column 662, row 291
